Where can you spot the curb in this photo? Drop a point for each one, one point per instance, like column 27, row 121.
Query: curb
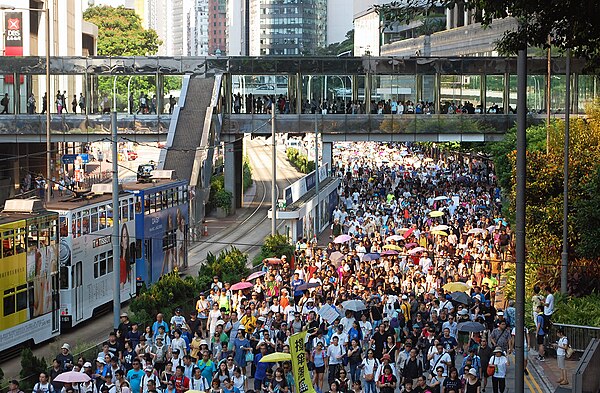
column 541, row 376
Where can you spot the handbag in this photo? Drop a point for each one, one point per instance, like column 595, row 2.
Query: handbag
column 569, row 352
column 249, row 356
column 491, row 369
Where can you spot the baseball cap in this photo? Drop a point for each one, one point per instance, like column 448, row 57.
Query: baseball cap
column 87, row 365
column 148, row 369
column 66, row 346
column 124, row 314
column 404, row 297
column 500, row 313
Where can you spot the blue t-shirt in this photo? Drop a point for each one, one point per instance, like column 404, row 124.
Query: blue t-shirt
column 207, row 369
column 540, row 321
column 448, row 342
column 135, row 379
column 295, row 284
column 261, row 368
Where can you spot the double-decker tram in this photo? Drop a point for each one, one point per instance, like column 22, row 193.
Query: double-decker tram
column 86, row 252
column 29, row 280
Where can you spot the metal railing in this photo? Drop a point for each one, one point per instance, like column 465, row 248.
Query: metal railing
column 579, row 336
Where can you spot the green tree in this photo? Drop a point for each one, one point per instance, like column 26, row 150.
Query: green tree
column 274, row 247
column 31, row 367
column 571, row 24
column 337, row 48
column 120, row 32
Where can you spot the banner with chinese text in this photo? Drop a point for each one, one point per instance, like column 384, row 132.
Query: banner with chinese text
column 300, row 364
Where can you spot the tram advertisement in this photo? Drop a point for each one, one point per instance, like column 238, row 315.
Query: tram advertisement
column 165, row 233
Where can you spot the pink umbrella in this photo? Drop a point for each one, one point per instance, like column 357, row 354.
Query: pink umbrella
column 410, row 245
column 417, row 249
column 72, row 377
column 342, row 238
column 408, row 233
column 272, row 261
column 241, row 285
column 389, row 252
column 255, row 275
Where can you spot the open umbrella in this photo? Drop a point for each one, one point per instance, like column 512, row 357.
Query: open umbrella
column 440, row 228
column 441, row 198
column 395, row 238
column 436, row 213
column 372, row 256
column 491, row 228
column 408, row 233
column 241, row 285
column 255, row 275
column 336, row 256
column 417, row 249
column 410, row 245
column 403, row 230
column 72, row 377
column 342, row 238
column 457, row 286
column 272, row 261
column 389, row 252
column 354, row 305
column 392, row 247
column 476, row 231
column 276, row 357
column 461, row 297
column 442, row 233
column 470, row 327
column 307, row 286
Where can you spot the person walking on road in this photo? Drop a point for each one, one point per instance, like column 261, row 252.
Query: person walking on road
column 500, row 364
column 561, row 351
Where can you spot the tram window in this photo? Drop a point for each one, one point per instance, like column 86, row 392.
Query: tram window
column 22, row 297
column 138, row 205
column 102, row 263
column 64, row 229
column 132, row 209
column 30, row 296
column 20, row 241
column 64, row 277
column 175, row 196
column 124, row 212
column 53, row 232
column 165, row 199
column 109, row 262
column 96, row 267
column 152, row 203
column 94, row 219
column 9, row 301
column 32, row 238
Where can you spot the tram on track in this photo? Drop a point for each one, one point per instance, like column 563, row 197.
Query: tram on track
column 29, row 276
column 56, row 262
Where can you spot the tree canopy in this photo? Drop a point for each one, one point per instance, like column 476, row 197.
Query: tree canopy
column 120, row 32
column 570, row 24
column 337, row 48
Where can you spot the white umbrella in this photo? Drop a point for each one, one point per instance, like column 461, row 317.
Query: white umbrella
column 440, row 228
column 441, row 198
column 476, row 231
column 394, row 238
column 354, row 305
column 417, row 249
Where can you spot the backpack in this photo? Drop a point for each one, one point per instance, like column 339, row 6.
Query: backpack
column 4, row 101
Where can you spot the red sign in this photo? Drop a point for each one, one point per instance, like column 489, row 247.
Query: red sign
column 13, row 38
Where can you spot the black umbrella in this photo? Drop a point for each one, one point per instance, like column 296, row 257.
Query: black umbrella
column 307, row 285
column 470, row 327
column 461, row 297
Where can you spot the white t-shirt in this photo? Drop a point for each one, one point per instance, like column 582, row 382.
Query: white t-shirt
column 500, row 362
column 549, row 309
column 440, row 360
column 514, row 332
column 562, row 342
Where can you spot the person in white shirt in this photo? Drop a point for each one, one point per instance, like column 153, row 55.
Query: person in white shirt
column 561, row 352
column 500, row 362
column 341, row 335
column 347, row 321
column 385, row 361
column 148, row 376
column 549, row 303
column 440, row 359
column 366, row 327
column 334, row 358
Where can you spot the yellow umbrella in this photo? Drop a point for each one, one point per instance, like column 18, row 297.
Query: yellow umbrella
column 436, row 213
column 276, row 357
column 439, row 233
column 392, row 247
column 456, row 287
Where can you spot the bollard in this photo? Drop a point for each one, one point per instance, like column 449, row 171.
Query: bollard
column 205, row 230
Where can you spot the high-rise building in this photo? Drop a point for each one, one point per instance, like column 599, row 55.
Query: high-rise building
column 217, row 27
column 197, row 29
column 238, row 18
column 287, row 27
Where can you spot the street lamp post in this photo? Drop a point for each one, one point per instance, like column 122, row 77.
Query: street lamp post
column 48, row 144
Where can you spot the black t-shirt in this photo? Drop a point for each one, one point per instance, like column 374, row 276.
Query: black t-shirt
column 387, row 379
column 472, row 388
column 452, row 384
column 380, row 340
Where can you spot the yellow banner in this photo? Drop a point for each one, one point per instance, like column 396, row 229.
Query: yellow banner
column 300, row 364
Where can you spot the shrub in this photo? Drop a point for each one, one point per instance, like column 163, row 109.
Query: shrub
column 223, row 200
column 246, row 174
column 274, row 246
column 217, row 183
column 31, row 367
column 299, row 161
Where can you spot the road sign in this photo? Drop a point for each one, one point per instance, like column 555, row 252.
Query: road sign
column 70, row 158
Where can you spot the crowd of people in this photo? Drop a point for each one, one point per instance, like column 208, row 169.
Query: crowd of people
column 416, row 253
column 254, row 103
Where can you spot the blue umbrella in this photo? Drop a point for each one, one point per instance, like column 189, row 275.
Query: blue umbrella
column 371, row 257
